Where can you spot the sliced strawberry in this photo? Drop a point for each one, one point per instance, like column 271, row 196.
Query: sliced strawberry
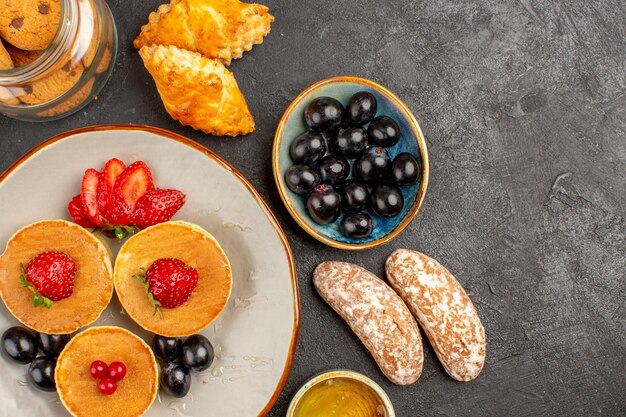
column 131, row 184
column 89, row 197
column 112, row 169
column 75, row 207
column 157, row 206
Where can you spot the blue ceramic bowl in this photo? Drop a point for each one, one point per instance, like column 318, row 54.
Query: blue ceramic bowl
column 411, row 141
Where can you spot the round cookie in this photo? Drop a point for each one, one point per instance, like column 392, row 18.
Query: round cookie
column 5, row 59
column 20, row 57
column 7, row 97
column 71, row 103
column 29, row 24
column 54, row 85
column 6, row 63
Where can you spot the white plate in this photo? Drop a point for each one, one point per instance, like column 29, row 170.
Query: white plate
column 255, row 337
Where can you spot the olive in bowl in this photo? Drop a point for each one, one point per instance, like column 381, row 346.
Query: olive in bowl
column 349, row 139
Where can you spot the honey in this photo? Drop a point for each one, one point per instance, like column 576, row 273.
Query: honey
column 340, row 397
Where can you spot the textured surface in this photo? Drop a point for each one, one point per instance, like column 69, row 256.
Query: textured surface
column 197, row 91
column 443, row 310
column 523, row 105
column 377, row 315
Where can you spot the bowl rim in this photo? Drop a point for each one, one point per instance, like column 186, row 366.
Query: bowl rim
column 421, row 142
column 340, row 373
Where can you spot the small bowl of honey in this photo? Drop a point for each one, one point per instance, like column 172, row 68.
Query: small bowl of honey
column 340, row 393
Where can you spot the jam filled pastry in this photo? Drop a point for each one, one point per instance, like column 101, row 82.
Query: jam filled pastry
column 218, row 29
column 197, row 91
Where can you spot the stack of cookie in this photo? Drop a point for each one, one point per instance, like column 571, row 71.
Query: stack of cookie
column 186, row 45
column 27, row 28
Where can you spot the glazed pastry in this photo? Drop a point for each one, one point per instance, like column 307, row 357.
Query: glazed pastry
column 190, row 246
column 78, row 390
column 90, row 290
column 5, row 59
column 443, row 309
column 218, row 29
column 376, row 315
column 197, row 91
column 29, row 24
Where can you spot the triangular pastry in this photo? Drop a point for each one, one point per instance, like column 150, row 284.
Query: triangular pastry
column 218, row 29
column 197, row 91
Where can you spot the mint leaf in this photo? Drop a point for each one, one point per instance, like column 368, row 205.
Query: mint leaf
column 38, row 299
column 120, row 234
column 23, row 281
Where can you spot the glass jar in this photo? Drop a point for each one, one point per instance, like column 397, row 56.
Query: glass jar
column 69, row 72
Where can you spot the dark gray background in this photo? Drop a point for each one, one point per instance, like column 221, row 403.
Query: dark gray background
column 523, row 106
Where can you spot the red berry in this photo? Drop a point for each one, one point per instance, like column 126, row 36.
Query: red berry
column 107, row 386
column 52, row 275
column 129, row 186
column 99, row 370
column 171, row 281
column 157, row 206
column 75, row 207
column 89, row 196
column 117, row 371
column 112, row 169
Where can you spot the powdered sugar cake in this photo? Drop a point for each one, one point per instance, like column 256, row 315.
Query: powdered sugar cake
column 377, row 315
column 443, row 309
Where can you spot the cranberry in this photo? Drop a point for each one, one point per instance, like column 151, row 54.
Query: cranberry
column 107, row 386
column 99, row 370
column 117, row 371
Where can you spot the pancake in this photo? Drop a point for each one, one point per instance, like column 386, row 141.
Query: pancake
column 93, row 282
column 192, row 245
column 78, row 390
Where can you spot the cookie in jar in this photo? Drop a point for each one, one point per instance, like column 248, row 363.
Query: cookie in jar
column 55, row 56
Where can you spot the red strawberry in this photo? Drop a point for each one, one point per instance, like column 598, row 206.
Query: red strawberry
column 50, row 276
column 112, row 169
column 131, row 184
column 75, row 207
column 169, row 282
column 157, row 206
column 89, row 197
